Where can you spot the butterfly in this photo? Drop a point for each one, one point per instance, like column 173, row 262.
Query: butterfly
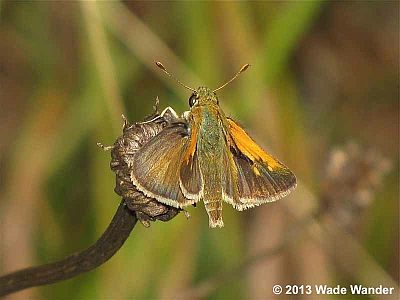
column 205, row 156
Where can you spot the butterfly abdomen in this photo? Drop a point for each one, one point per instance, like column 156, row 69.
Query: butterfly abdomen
column 210, row 146
column 214, row 211
column 212, row 197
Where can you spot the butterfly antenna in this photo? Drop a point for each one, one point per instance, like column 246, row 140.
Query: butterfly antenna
column 161, row 66
column 242, row 69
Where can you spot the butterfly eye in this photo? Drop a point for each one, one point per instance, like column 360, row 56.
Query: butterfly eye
column 193, row 99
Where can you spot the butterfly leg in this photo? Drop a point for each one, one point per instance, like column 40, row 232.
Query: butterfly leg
column 126, row 123
column 186, row 213
column 168, row 110
column 105, row 148
column 156, row 105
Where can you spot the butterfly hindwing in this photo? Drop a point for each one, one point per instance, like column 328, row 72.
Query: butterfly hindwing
column 190, row 179
column 259, row 177
column 229, row 177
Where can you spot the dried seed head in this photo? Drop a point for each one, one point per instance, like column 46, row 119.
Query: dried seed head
column 353, row 175
column 133, row 138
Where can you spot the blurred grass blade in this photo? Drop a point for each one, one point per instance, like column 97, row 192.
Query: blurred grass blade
column 103, row 61
column 284, row 34
column 145, row 44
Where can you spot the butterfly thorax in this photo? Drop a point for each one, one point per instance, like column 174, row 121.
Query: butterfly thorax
column 206, row 118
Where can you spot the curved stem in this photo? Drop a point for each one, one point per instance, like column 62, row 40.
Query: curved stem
column 106, row 246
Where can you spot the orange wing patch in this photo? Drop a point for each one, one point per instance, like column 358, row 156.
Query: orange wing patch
column 192, row 146
column 249, row 148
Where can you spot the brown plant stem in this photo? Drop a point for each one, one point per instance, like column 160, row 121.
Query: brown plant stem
column 105, row 247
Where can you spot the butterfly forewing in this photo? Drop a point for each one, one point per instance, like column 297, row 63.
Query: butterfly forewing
column 260, row 178
column 156, row 166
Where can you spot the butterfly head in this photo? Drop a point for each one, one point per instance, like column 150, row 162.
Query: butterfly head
column 203, row 96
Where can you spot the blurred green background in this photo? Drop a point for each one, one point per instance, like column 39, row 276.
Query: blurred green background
column 323, row 74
